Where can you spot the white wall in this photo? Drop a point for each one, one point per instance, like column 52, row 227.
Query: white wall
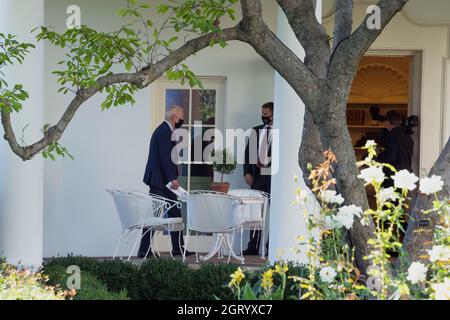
column 111, row 147
column 287, row 221
column 21, row 192
column 405, row 34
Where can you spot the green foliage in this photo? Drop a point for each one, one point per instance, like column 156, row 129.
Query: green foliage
column 212, row 280
column 116, row 275
column 19, row 284
column 165, row 279
column 91, row 54
column 11, row 51
column 183, row 73
column 223, row 161
column 54, row 150
column 91, row 287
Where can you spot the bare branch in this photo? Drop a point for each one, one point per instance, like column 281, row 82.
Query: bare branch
column 255, row 32
column 343, row 21
column 348, row 53
column 310, row 33
column 140, row 79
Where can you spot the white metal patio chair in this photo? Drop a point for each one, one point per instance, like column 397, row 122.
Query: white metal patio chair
column 138, row 211
column 253, row 214
column 213, row 212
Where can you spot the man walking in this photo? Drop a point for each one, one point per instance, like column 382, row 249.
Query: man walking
column 161, row 170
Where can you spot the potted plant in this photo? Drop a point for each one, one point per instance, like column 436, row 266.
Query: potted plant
column 223, row 162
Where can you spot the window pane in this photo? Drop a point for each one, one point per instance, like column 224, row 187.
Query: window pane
column 182, row 175
column 204, row 106
column 181, row 98
column 201, row 176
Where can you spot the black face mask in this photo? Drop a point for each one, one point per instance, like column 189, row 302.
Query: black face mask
column 266, row 120
column 179, row 124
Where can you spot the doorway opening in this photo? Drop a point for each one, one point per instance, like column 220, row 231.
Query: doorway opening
column 385, row 82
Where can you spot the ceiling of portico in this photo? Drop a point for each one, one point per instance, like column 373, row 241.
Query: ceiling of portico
column 422, row 12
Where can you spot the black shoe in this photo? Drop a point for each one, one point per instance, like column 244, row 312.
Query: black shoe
column 179, row 253
column 250, row 252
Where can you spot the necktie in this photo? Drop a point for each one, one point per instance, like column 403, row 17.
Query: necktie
column 263, row 154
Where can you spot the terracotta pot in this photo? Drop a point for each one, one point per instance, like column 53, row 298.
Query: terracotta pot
column 220, row 187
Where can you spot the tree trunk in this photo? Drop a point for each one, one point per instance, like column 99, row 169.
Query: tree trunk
column 334, row 134
column 311, row 148
column 420, row 231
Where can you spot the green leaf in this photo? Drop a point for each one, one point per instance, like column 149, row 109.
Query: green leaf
column 248, row 293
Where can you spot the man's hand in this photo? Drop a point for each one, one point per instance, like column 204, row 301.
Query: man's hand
column 249, row 179
column 175, row 185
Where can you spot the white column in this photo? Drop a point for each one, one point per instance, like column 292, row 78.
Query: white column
column 21, row 183
column 286, row 221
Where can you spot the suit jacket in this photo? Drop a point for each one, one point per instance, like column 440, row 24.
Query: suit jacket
column 250, row 165
column 399, row 148
column 160, row 169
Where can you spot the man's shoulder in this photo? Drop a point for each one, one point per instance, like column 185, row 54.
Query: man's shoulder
column 260, row 127
column 162, row 128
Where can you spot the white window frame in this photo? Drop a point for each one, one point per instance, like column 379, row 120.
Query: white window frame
column 158, row 106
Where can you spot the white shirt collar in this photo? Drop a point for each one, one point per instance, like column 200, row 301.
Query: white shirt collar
column 170, row 125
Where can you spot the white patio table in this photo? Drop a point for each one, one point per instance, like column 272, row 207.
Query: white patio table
column 253, row 214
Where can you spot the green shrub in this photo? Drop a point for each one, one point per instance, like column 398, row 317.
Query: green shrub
column 211, row 281
column 115, row 274
column 16, row 284
column 91, row 287
column 85, row 263
column 118, row 275
column 165, row 279
column 162, row 279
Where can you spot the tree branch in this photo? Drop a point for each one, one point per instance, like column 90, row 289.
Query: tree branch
column 255, row 32
column 348, row 53
column 343, row 21
column 140, row 79
column 310, row 33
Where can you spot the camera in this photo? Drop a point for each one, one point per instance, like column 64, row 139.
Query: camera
column 408, row 123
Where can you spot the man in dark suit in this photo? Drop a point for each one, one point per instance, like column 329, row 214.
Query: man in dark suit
column 257, row 166
column 398, row 147
column 161, row 169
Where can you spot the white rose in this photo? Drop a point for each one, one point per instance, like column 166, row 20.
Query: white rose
column 327, row 274
column 330, row 196
column 431, row 185
column 417, row 272
column 405, row 180
column 345, row 216
column 372, row 174
column 439, row 253
column 442, row 290
column 388, row 194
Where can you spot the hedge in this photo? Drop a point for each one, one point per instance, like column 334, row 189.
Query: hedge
column 156, row 279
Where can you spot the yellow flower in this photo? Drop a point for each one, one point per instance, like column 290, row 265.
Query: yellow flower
column 236, row 278
column 267, row 280
column 280, row 269
column 403, row 289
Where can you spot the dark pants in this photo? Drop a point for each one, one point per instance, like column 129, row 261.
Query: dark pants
column 172, row 213
column 261, row 183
